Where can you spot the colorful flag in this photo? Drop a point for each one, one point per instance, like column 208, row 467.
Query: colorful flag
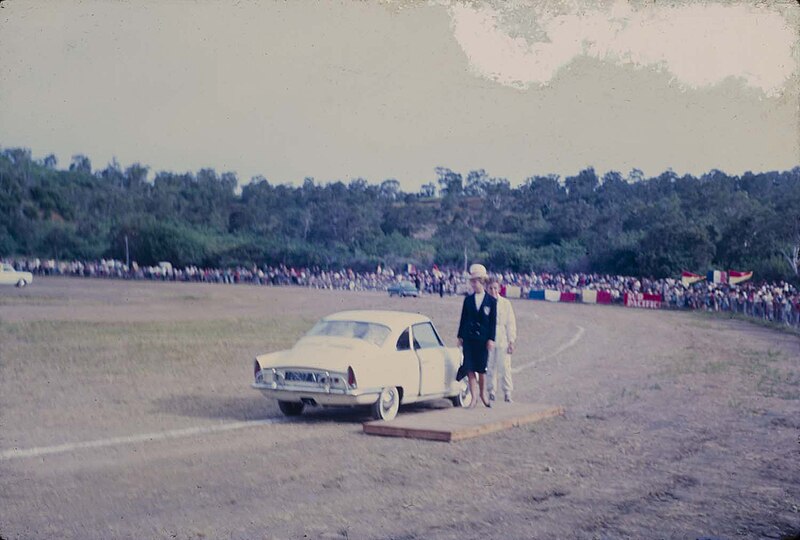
column 716, row 276
column 735, row 277
column 687, row 278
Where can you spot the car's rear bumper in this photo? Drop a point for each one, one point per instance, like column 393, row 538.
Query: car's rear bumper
column 320, row 396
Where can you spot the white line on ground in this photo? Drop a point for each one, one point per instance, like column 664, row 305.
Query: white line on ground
column 575, row 339
column 132, row 439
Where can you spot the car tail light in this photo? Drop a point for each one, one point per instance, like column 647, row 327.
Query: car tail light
column 351, row 377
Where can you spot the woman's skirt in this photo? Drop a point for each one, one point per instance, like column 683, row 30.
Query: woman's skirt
column 475, row 356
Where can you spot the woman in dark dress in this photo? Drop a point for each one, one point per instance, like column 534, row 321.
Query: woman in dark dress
column 476, row 332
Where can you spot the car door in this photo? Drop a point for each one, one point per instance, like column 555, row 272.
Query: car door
column 7, row 275
column 405, row 365
column 432, row 359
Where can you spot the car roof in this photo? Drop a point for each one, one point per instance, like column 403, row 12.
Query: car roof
column 392, row 319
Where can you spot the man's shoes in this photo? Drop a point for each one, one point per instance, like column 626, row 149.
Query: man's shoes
column 508, row 398
column 492, row 397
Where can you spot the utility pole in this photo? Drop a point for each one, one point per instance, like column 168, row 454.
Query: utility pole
column 465, row 258
column 127, row 254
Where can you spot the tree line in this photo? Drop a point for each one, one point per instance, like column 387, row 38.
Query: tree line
column 628, row 225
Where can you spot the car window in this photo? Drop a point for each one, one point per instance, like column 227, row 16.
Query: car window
column 425, row 336
column 403, row 342
column 370, row 332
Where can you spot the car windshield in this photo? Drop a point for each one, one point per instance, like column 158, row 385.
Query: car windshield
column 373, row 333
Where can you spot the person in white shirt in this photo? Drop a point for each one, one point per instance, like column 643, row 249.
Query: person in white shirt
column 505, row 337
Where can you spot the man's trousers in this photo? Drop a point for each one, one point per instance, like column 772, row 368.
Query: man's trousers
column 500, row 368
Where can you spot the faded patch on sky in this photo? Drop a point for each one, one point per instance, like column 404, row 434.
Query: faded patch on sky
column 521, row 43
column 380, row 89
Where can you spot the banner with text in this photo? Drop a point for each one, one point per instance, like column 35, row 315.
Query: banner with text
column 641, row 300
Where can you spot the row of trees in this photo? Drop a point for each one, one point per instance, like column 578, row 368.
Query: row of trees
column 635, row 225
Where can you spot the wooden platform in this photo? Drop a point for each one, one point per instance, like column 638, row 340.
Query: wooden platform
column 455, row 424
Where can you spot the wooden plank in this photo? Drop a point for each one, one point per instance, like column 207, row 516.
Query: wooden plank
column 456, row 424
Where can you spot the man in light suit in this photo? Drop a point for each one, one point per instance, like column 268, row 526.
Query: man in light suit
column 505, row 337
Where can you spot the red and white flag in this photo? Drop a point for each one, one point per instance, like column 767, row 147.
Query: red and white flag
column 687, row 278
column 735, row 277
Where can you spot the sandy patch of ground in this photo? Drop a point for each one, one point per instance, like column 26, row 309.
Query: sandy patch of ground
column 677, row 425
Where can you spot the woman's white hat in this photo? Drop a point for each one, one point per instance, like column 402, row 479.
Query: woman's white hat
column 477, row 271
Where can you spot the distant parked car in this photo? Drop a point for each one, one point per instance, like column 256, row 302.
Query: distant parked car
column 9, row 276
column 378, row 359
column 404, row 288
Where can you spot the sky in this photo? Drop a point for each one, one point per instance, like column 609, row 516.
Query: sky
column 375, row 89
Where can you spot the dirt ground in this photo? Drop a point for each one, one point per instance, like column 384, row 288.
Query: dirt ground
column 677, row 425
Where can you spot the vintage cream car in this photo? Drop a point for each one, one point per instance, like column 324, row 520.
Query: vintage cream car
column 368, row 358
column 9, row 276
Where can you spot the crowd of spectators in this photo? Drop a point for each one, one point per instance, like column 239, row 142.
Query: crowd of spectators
column 776, row 302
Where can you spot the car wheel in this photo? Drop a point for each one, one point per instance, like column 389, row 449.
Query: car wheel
column 464, row 397
column 387, row 405
column 291, row 408
column 21, row 283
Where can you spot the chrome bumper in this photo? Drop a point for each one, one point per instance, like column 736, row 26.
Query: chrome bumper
column 320, row 395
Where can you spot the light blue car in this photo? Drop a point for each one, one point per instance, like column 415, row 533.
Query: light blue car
column 404, row 288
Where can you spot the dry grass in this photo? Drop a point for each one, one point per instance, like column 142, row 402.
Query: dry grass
column 132, row 348
column 673, row 429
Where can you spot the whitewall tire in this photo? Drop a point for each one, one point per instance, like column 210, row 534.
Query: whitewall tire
column 464, row 397
column 387, row 405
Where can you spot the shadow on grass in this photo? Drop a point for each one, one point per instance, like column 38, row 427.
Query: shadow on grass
column 239, row 408
column 363, row 414
column 258, row 408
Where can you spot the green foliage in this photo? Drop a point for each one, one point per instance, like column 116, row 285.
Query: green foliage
column 152, row 241
column 629, row 225
column 65, row 241
column 8, row 245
